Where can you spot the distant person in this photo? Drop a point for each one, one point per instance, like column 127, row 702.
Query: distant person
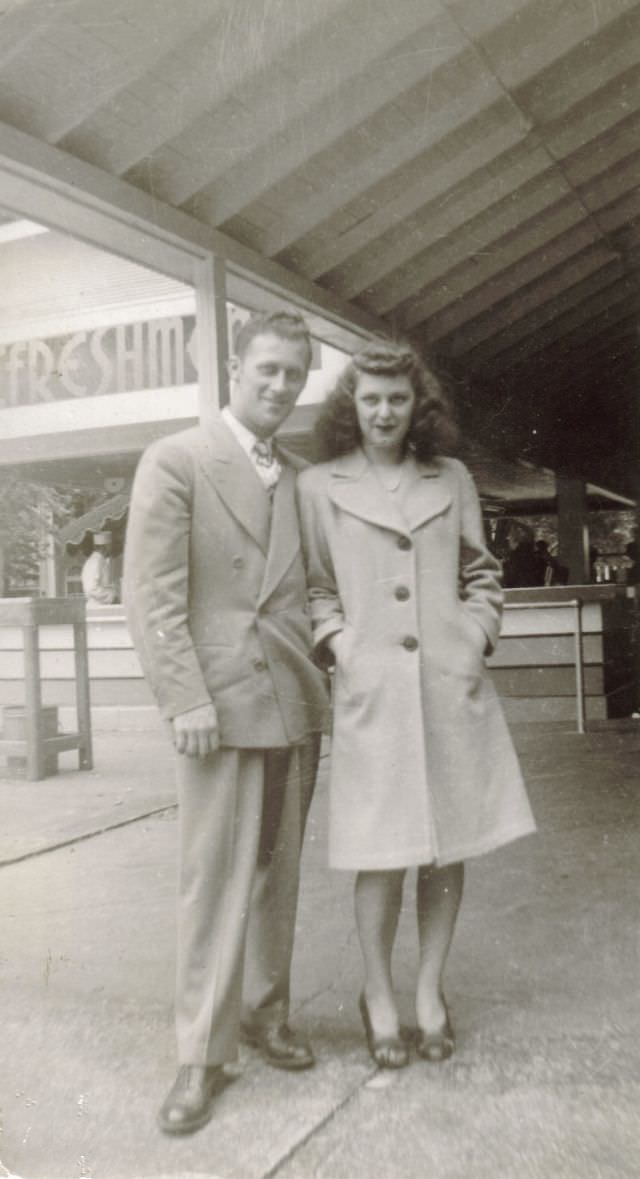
column 555, row 573
column 97, row 576
column 523, row 566
column 405, row 597
column 633, row 572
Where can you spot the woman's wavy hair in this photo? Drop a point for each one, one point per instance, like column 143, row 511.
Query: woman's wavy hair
column 433, row 429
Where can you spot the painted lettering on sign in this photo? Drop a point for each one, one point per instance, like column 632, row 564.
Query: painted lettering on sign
column 124, row 358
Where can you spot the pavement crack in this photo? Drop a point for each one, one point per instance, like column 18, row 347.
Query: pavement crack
column 319, row 1126
column 44, row 851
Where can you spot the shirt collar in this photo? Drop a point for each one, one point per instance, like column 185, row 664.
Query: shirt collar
column 241, row 433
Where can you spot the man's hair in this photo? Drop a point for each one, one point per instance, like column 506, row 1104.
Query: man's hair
column 289, row 325
column 432, row 429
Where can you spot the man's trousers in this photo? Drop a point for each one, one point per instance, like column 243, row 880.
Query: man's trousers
column 242, row 814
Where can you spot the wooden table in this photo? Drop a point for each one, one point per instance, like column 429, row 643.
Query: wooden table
column 30, row 614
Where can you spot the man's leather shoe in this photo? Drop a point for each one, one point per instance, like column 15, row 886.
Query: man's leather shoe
column 189, row 1103
column 280, row 1045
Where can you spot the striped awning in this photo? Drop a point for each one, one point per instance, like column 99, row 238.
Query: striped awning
column 97, row 520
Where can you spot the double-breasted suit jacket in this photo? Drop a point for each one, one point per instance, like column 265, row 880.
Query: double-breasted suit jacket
column 216, row 600
column 215, row 592
column 422, row 765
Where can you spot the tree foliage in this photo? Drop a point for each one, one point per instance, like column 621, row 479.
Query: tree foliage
column 28, row 513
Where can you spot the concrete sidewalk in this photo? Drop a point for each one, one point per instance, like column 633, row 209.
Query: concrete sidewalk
column 542, row 984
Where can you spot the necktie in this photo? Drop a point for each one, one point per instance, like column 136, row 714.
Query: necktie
column 267, row 466
column 264, row 453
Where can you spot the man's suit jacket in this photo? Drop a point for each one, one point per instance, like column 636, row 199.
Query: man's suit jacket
column 215, row 593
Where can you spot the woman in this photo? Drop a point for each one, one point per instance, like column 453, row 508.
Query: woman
column 405, row 598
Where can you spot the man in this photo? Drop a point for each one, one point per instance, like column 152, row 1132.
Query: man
column 97, row 584
column 216, row 600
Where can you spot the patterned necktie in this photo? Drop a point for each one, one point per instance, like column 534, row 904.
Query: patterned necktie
column 267, row 466
column 263, row 452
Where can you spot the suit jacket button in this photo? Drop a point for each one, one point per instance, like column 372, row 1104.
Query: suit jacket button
column 237, row 562
column 402, row 593
column 410, row 643
column 259, row 665
column 404, row 542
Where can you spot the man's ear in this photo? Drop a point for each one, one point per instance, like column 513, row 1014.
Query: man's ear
column 233, row 364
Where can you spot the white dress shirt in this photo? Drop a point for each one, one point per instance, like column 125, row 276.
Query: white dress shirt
column 268, row 474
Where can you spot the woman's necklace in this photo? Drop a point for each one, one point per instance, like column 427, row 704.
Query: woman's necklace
column 390, row 477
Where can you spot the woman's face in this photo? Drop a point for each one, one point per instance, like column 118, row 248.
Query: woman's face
column 384, row 405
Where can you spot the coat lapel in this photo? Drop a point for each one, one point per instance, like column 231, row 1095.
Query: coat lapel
column 284, row 544
column 427, row 496
column 229, row 470
column 354, row 488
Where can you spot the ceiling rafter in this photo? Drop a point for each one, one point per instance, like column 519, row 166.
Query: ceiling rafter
column 21, row 24
column 277, row 115
column 192, row 77
column 377, row 78
column 526, row 326
column 610, row 217
column 474, row 146
column 590, row 311
column 485, row 193
column 451, row 103
column 345, row 187
column 573, row 349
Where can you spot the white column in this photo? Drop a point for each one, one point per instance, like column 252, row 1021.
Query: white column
column 212, row 335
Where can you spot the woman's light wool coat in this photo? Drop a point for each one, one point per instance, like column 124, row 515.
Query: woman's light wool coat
column 422, row 765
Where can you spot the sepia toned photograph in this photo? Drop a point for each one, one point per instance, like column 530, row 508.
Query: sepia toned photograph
column 319, row 589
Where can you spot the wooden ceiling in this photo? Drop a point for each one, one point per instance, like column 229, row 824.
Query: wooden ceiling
column 466, row 170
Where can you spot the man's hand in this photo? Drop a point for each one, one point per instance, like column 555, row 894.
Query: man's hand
column 196, row 732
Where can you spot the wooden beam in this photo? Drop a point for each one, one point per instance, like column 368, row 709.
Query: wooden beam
column 556, row 63
column 22, row 23
column 593, row 115
column 563, row 286
column 589, row 316
column 548, row 363
column 490, row 191
column 464, row 298
column 399, row 52
column 55, row 189
column 539, row 47
column 470, row 149
column 193, row 76
column 494, row 239
column 84, row 62
column 213, row 338
column 548, row 320
column 280, row 117
column 451, row 96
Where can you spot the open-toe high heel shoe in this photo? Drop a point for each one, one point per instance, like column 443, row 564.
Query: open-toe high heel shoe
column 435, row 1047
column 385, row 1051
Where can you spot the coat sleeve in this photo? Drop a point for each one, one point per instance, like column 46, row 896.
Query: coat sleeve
column 480, row 572
column 327, row 615
column 156, row 579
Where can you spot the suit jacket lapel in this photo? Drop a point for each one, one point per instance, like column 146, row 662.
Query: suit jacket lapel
column 355, row 489
column 284, row 544
column 229, row 470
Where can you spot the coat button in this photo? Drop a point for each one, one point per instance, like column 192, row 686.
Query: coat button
column 237, row 562
column 404, row 542
column 402, row 593
column 410, row 643
column 259, row 665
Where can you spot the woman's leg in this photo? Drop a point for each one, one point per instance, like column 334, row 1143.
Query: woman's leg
column 439, row 892
column 378, row 898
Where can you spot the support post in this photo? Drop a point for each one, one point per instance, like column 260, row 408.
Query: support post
column 212, row 335
column 33, row 702
column 573, row 533
column 83, row 701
